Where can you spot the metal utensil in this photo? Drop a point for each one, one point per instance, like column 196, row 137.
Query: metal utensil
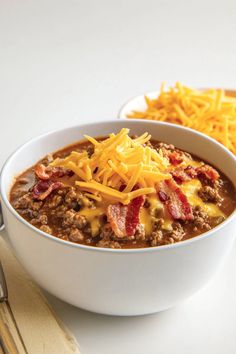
column 3, row 286
column 1, row 219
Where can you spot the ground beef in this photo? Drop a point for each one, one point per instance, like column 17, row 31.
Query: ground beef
column 71, row 198
column 177, row 232
column 73, row 218
column 107, row 238
column 107, row 232
column 55, row 201
column 76, row 235
column 201, row 220
column 156, row 238
column 168, row 148
column 157, row 223
column 140, row 232
column 46, row 228
column 41, row 219
column 164, row 237
column 108, row 244
column 26, row 201
column 165, row 146
column 209, row 194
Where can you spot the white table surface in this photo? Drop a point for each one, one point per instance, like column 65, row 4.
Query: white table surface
column 65, row 61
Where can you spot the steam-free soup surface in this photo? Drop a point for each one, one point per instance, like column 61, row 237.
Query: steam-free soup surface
column 196, row 199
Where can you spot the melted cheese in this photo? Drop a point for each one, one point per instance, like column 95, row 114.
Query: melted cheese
column 147, row 215
column 146, row 220
column 92, row 216
column 191, row 189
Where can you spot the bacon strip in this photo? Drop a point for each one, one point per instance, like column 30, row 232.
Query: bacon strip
column 124, row 219
column 175, row 200
column 116, row 216
column 43, row 188
column 132, row 217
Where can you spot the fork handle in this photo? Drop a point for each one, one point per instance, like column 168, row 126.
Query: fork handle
column 10, row 340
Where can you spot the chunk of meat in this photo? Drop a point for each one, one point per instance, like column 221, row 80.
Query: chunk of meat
column 207, row 172
column 200, row 219
column 209, row 195
column 177, row 203
column 73, row 218
column 180, row 176
column 204, row 172
column 46, row 228
column 190, row 171
column 44, row 188
column 175, row 157
column 76, row 235
column 183, row 175
column 124, row 219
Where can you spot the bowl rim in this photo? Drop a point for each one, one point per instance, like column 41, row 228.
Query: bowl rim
column 4, row 197
column 134, row 98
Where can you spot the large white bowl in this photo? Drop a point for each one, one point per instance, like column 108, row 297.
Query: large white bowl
column 113, row 281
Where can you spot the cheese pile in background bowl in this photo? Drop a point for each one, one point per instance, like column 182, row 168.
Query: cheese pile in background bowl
column 212, row 111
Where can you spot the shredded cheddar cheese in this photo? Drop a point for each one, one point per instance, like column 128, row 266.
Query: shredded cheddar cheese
column 211, row 112
column 118, row 161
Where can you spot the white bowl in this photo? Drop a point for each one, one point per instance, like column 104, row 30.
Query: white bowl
column 136, row 103
column 113, row 281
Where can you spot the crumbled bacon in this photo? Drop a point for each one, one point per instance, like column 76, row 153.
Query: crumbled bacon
column 207, row 172
column 124, row 219
column 204, row 172
column 180, row 176
column 45, row 173
column 43, row 188
column 41, row 172
column 191, row 171
column 177, row 203
column 175, row 157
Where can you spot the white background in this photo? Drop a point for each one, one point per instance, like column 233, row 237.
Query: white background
column 63, row 62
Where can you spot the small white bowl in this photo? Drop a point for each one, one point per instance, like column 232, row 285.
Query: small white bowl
column 113, row 281
column 136, row 103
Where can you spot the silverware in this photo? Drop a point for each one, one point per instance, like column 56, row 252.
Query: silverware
column 3, row 286
column 1, row 219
